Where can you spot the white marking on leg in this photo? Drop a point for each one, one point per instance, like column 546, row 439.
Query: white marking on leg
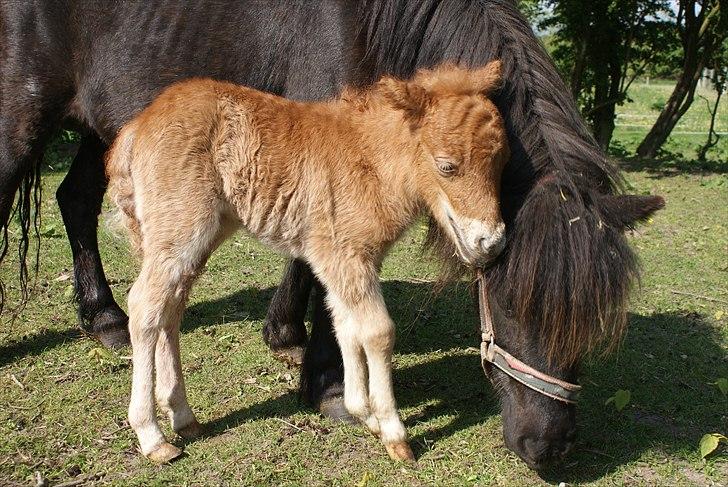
column 376, row 334
column 170, row 386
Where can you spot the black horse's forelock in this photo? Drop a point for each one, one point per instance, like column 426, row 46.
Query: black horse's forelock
column 565, row 273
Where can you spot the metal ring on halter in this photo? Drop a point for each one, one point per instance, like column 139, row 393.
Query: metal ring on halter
column 490, row 352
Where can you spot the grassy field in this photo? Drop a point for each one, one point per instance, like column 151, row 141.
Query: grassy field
column 64, row 399
column 635, row 118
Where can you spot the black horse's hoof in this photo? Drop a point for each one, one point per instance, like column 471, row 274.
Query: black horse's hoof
column 114, row 338
column 110, row 327
column 291, row 355
column 333, row 408
column 284, row 334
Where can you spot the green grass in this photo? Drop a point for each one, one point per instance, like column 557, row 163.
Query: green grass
column 64, row 399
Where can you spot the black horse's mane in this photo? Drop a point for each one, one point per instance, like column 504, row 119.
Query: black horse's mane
column 567, row 269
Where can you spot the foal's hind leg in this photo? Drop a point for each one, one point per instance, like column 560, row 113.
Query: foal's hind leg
column 170, row 386
column 150, row 303
column 173, row 257
column 156, row 305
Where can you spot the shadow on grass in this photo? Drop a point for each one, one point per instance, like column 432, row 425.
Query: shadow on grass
column 669, row 165
column 35, row 344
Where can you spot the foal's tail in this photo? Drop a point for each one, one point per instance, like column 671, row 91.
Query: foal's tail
column 121, row 185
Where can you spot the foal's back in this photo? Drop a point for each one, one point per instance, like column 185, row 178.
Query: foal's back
column 213, row 155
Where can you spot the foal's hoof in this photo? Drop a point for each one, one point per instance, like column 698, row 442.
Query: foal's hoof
column 290, row 355
column 400, row 452
column 192, row 431
column 333, row 407
column 164, row 453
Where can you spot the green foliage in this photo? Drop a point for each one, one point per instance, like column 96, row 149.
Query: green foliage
column 601, row 47
column 709, row 443
column 722, row 385
column 620, row 399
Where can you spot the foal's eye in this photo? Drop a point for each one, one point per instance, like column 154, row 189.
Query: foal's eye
column 445, row 166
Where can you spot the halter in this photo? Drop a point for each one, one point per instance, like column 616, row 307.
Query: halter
column 528, row 376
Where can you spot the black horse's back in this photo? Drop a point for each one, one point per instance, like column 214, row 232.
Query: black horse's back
column 134, row 49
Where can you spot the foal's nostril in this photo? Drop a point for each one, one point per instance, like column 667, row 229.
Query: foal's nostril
column 493, row 244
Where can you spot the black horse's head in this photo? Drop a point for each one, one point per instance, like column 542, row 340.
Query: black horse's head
column 559, row 292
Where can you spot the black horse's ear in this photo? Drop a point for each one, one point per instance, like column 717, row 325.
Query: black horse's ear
column 625, row 211
column 407, row 96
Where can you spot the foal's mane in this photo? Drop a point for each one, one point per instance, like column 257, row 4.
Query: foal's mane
column 564, row 273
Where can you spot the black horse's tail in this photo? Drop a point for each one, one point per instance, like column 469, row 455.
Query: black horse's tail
column 27, row 213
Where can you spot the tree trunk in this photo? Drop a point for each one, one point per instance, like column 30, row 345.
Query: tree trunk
column 577, row 73
column 606, row 96
column 698, row 43
column 713, row 137
column 678, row 103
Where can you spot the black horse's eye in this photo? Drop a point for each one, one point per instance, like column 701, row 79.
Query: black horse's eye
column 445, row 166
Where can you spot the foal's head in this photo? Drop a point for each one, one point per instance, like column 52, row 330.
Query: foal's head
column 462, row 148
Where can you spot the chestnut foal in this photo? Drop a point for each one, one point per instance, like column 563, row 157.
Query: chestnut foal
column 334, row 183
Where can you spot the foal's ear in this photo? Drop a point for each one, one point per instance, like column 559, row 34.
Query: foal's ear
column 409, row 97
column 625, row 211
column 487, row 79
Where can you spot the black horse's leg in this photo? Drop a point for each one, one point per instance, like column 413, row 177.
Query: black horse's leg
column 79, row 197
column 284, row 330
column 322, row 373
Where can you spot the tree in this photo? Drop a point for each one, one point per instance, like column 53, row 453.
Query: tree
column 719, row 79
column 702, row 26
column 602, row 47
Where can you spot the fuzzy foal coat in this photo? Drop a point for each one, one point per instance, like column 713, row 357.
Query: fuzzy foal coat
column 334, row 183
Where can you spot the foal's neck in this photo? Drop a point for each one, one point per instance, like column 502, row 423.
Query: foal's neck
column 388, row 146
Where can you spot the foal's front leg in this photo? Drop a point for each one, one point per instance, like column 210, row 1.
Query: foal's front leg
column 366, row 335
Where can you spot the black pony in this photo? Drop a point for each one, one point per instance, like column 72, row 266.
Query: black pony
column 563, row 280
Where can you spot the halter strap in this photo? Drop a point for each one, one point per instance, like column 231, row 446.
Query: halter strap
column 526, row 375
